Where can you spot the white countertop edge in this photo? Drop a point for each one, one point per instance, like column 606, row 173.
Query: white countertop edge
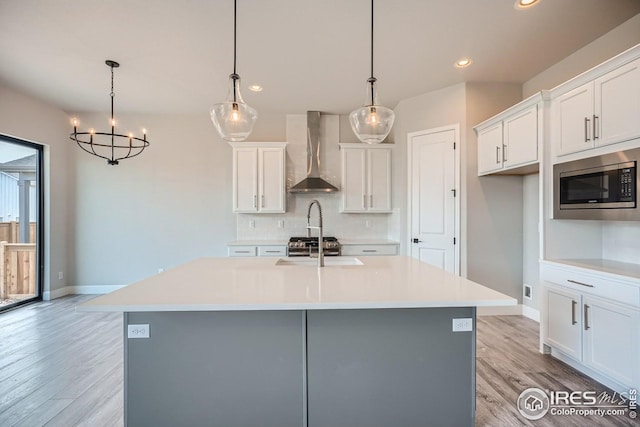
column 631, row 276
column 258, row 243
column 301, row 306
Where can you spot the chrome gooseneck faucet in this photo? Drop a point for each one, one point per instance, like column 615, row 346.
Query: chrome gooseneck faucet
column 319, row 227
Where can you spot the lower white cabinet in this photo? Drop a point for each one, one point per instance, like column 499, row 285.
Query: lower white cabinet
column 599, row 333
column 256, row 250
column 369, row 249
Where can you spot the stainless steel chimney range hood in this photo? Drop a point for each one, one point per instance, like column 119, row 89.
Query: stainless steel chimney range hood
column 313, row 182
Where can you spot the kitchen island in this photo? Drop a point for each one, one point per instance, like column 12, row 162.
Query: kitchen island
column 364, row 341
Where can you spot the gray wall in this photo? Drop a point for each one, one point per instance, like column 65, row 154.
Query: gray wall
column 27, row 118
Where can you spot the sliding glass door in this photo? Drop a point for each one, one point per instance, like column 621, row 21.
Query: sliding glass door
column 21, row 199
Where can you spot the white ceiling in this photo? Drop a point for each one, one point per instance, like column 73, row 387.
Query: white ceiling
column 176, row 56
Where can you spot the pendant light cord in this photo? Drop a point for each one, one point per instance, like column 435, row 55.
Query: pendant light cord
column 113, row 126
column 234, row 76
column 372, row 39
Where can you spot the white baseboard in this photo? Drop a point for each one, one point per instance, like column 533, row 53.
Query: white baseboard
column 531, row 313
column 79, row 290
column 511, row 310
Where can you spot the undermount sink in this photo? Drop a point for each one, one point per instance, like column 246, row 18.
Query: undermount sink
column 312, row 262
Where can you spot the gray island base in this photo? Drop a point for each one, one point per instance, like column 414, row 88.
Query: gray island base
column 342, row 368
column 223, row 342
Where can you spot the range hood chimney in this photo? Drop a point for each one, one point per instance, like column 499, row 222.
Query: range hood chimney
column 313, row 182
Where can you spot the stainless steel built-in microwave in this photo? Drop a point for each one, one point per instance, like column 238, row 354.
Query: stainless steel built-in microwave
column 603, row 187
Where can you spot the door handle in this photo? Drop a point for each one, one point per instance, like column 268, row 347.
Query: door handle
column 586, row 317
column 595, row 127
column 580, row 283
column 504, row 153
column 573, row 312
column 364, row 201
column 262, row 201
column 255, row 201
column 370, row 200
column 587, row 138
column 497, row 155
column 417, row 241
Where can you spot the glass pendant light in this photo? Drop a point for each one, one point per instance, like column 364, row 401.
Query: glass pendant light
column 233, row 118
column 372, row 122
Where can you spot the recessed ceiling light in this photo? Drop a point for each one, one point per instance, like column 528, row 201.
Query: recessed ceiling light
column 524, row 4
column 462, row 63
column 255, row 88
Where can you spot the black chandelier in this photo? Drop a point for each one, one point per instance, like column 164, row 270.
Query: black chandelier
column 110, row 146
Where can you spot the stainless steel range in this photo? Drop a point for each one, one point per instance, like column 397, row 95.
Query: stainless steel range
column 306, row 246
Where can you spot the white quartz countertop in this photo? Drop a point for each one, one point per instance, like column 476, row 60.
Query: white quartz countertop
column 627, row 270
column 235, row 284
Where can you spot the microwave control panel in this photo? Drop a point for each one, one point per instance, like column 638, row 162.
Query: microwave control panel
column 627, row 184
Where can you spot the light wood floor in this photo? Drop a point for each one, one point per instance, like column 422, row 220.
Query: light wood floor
column 62, row 368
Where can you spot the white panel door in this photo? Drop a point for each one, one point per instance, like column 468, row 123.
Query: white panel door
column 245, row 180
column 272, row 175
column 433, row 198
column 611, row 340
column 617, row 105
column 354, row 181
column 379, row 180
column 521, row 138
column 575, row 121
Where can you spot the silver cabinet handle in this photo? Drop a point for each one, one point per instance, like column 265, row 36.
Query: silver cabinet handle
column 497, row 155
column 364, row 201
column 255, row 201
column 262, row 201
column 587, row 138
column 504, row 153
column 586, row 317
column 242, row 252
column 369, row 250
column 573, row 312
column 580, row 283
column 272, row 252
column 370, row 200
column 595, row 127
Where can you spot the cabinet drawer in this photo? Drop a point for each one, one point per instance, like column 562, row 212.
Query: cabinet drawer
column 591, row 284
column 369, row 250
column 272, row 251
column 242, row 251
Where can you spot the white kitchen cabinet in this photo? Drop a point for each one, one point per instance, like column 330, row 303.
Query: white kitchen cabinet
column 564, row 321
column 609, row 344
column 250, row 249
column 259, row 177
column 593, row 320
column 369, row 249
column 509, row 141
column 490, row 149
column 600, row 112
column 366, row 178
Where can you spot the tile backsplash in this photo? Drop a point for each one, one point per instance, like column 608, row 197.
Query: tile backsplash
column 294, row 222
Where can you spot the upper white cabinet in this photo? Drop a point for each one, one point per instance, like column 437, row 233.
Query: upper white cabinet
column 602, row 111
column 366, row 178
column 509, row 142
column 259, row 177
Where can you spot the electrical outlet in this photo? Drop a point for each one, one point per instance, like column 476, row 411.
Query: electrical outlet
column 367, row 223
column 462, row 325
column 138, row 331
column 60, row 275
column 528, row 292
column 160, row 270
column 252, row 223
column 280, row 223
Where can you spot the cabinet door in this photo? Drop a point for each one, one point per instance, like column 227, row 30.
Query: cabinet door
column 617, row 105
column 521, row 138
column 563, row 319
column 379, row 180
column 490, row 149
column 611, row 340
column 353, row 180
column 575, row 120
column 271, row 182
column 245, row 179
